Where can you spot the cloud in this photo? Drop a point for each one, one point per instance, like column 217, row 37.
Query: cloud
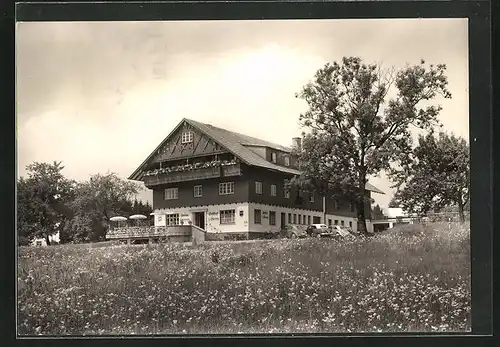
column 100, row 96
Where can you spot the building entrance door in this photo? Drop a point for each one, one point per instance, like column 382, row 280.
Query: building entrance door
column 199, row 219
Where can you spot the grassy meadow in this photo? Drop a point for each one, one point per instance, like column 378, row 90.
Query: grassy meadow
column 410, row 278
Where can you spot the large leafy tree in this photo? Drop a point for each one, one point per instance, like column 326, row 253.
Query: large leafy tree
column 356, row 129
column 43, row 199
column 435, row 175
column 96, row 201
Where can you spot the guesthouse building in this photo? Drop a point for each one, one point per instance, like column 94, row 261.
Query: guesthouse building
column 226, row 182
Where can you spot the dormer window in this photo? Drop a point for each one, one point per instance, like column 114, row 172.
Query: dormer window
column 187, row 137
column 273, row 157
column 287, row 160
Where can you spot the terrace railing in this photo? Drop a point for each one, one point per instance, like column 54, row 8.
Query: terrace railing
column 124, row 233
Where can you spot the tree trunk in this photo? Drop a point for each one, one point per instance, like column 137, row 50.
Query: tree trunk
column 324, row 209
column 360, row 207
column 361, row 195
column 461, row 212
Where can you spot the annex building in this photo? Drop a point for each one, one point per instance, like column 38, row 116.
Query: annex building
column 226, row 182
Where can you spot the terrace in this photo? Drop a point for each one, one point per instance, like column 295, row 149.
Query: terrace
column 181, row 233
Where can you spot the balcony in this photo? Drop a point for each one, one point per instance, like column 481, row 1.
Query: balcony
column 191, row 172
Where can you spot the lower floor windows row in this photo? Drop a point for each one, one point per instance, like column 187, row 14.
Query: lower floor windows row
column 228, row 217
column 257, row 217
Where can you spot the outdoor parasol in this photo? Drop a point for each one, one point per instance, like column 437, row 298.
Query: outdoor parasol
column 118, row 219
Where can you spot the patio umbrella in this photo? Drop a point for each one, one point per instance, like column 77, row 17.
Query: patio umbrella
column 118, row 219
column 138, row 216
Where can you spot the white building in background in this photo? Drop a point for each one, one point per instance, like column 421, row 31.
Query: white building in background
column 395, row 212
column 40, row 241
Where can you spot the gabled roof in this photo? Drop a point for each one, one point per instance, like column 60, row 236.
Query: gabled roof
column 239, row 145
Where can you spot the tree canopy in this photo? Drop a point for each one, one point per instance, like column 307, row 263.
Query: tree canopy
column 354, row 129
column 96, row 201
column 48, row 202
column 436, row 174
column 42, row 200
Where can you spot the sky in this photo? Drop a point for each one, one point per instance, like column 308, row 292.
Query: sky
column 100, row 96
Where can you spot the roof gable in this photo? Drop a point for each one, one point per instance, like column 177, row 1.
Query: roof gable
column 174, row 146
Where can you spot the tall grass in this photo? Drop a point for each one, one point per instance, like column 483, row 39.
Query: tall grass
column 407, row 279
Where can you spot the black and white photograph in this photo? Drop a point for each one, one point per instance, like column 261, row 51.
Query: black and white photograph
column 243, row 177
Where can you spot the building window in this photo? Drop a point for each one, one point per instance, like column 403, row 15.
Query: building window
column 226, row 188
column 171, row 193
column 226, row 216
column 273, row 190
column 172, row 219
column 350, row 224
column 273, row 157
column 308, row 220
column 342, row 222
column 258, row 187
column 198, row 191
column 336, row 222
column 329, row 222
column 294, row 218
column 39, row 243
column 272, row 218
column 187, row 137
column 289, row 218
column 300, row 219
column 287, row 161
column 336, row 204
column 311, row 197
column 286, row 193
column 257, row 216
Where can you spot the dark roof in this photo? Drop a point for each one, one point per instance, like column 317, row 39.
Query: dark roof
column 240, row 145
column 235, row 142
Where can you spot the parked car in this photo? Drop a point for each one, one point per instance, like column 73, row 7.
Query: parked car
column 319, row 230
column 292, row 231
column 342, row 232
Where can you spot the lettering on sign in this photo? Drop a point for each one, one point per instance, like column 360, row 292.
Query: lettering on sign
column 184, row 215
column 265, row 214
column 241, row 213
column 213, row 213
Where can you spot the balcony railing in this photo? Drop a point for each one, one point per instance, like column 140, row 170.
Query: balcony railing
column 148, row 232
column 191, row 173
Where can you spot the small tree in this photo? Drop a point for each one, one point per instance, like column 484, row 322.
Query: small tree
column 435, row 175
column 355, row 130
column 42, row 201
column 378, row 213
column 97, row 200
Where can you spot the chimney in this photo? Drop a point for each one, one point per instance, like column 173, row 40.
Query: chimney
column 297, row 143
